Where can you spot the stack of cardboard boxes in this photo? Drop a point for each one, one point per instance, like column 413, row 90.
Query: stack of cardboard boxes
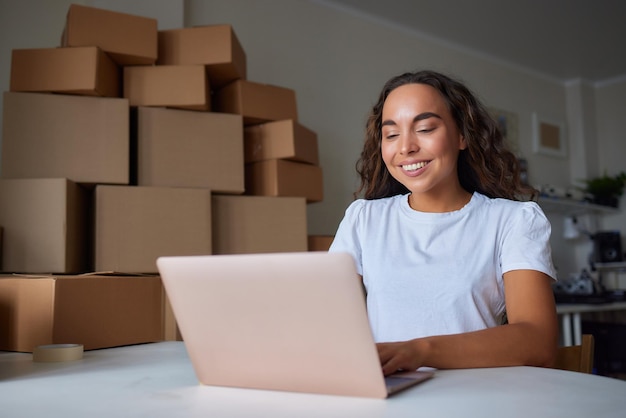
column 125, row 144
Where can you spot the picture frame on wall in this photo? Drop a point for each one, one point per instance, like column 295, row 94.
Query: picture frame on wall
column 548, row 136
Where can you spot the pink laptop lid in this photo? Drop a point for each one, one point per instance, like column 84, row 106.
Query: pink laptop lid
column 280, row 321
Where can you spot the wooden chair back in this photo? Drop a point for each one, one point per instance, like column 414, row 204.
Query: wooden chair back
column 577, row 358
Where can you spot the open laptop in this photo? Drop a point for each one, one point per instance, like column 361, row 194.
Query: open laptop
column 278, row 321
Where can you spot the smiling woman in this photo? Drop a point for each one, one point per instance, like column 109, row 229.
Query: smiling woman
column 444, row 248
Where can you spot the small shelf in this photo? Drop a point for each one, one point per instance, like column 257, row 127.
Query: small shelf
column 620, row 265
column 573, row 207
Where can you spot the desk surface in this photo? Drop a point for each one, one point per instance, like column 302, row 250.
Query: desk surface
column 157, row 380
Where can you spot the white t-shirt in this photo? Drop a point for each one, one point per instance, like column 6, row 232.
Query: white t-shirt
column 440, row 273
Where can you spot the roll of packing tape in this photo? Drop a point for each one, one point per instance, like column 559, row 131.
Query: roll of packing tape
column 57, row 353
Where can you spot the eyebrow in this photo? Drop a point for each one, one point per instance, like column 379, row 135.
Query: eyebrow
column 421, row 116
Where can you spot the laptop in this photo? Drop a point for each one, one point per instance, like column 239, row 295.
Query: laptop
column 278, row 321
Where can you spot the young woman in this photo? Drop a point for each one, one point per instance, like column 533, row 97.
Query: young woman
column 444, row 243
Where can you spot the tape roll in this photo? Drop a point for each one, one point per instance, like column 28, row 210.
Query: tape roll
column 57, row 353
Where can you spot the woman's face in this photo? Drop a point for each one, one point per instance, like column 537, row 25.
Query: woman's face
column 420, row 140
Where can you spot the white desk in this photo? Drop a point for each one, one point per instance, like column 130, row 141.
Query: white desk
column 157, row 380
column 570, row 313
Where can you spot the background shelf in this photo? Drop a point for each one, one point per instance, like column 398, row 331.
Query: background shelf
column 573, row 207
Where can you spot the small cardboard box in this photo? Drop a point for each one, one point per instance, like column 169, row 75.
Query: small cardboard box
column 215, row 46
column 257, row 224
column 284, row 139
column 94, row 310
column 84, row 139
column 256, row 102
column 135, row 225
column 285, row 178
column 45, row 226
column 128, row 39
column 179, row 148
column 320, row 242
column 1, row 231
column 179, row 86
column 82, row 70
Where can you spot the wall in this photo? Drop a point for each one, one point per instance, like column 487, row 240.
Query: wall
column 336, row 62
column 610, row 99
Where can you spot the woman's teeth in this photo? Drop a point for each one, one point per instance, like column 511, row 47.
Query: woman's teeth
column 415, row 166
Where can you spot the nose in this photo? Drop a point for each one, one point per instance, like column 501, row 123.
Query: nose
column 408, row 144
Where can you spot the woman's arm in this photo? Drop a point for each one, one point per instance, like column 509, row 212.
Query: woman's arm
column 530, row 337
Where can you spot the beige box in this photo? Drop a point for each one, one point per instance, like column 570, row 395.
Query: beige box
column 285, row 178
column 171, row 332
column 179, row 86
column 82, row 70
column 320, row 242
column 84, row 139
column 128, row 39
column 215, row 46
column 93, row 310
column 256, row 102
column 135, row 225
column 179, row 148
column 1, row 237
column 284, row 139
column 45, row 226
column 257, row 224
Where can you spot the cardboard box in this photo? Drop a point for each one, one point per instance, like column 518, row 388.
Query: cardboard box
column 171, row 332
column 128, row 39
column 215, row 46
column 136, row 225
column 284, row 139
column 285, row 178
column 256, row 102
column 179, row 148
column 84, row 70
column 320, row 242
column 93, row 310
column 45, row 226
column 180, row 86
column 84, row 139
column 257, row 224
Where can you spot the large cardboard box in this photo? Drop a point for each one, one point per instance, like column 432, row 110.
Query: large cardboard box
column 45, row 226
column 284, row 139
column 135, row 225
column 82, row 70
column 128, row 39
column 320, row 242
column 257, row 224
column 94, row 310
column 256, row 102
column 179, row 148
column 215, row 46
column 84, row 139
column 285, row 178
column 180, row 86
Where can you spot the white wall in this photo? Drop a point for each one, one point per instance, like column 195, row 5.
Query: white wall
column 337, row 62
column 610, row 100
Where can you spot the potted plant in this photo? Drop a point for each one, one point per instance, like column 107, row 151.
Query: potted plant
column 606, row 190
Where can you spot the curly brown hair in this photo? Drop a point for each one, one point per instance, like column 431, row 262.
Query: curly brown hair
column 485, row 166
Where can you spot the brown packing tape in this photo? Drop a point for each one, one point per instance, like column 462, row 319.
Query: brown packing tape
column 57, row 353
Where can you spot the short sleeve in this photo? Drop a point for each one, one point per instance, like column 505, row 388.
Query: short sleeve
column 526, row 243
column 347, row 237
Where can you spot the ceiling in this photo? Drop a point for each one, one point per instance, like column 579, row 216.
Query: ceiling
column 560, row 39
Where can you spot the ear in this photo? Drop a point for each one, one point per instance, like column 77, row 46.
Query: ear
column 462, row 142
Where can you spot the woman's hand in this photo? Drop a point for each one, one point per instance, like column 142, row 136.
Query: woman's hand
column 396, row 356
